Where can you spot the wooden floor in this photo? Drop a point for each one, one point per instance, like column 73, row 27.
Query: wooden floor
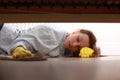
column 102, row 68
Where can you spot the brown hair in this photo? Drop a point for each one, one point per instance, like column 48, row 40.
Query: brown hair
column 92, row 42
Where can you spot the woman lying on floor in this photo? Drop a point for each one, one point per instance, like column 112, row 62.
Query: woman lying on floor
column 50, row 41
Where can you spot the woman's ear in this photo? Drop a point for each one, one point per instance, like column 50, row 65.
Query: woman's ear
column 67, row 35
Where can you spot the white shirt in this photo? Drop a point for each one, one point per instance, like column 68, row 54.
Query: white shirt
column 43, row 39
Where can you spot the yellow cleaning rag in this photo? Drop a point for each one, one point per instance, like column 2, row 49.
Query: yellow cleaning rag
column 20, row 52
column 86, row 52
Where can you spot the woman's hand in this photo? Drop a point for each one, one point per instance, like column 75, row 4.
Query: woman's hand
column 20, row 52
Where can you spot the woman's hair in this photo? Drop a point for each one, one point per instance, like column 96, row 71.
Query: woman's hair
column 92, row 42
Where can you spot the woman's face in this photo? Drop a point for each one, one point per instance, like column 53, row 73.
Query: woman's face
column 76, row 41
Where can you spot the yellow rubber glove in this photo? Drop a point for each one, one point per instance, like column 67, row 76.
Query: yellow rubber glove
column 86, row 52
column 20, row 52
